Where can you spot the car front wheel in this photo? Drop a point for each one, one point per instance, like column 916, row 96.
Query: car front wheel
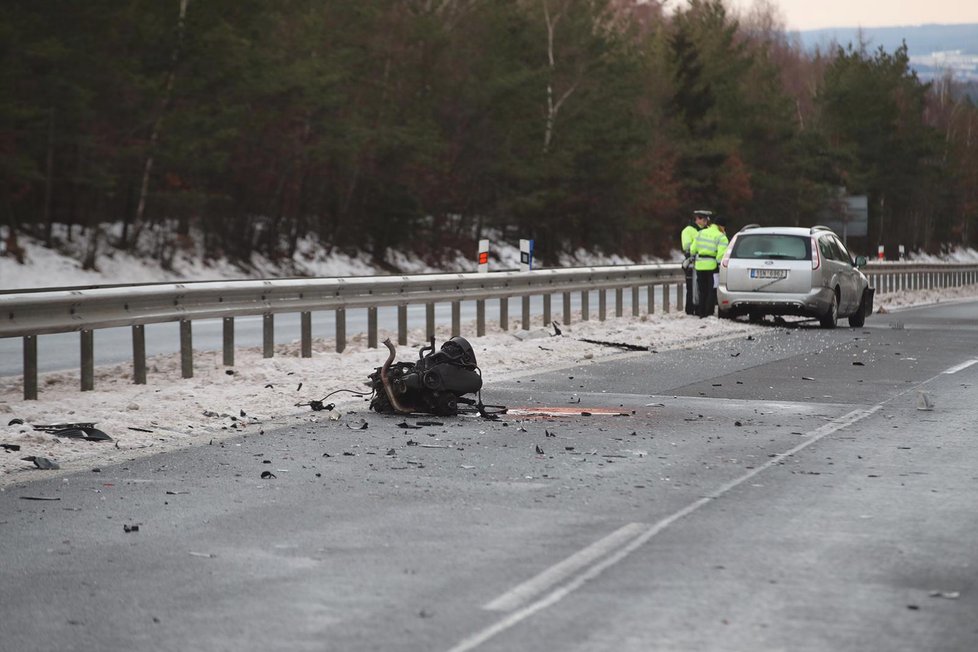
column 858, row 319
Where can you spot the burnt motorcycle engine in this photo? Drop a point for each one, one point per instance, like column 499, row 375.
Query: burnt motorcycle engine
column 432, row 385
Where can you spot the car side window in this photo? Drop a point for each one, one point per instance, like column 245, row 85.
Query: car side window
column 826, row 249
column 841, row 252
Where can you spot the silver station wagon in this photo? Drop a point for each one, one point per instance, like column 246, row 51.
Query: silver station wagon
column 793, row 271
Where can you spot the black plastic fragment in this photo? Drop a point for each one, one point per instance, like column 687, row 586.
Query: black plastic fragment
column 41, row 462
column 266, row 475
column 10, row 447
column 16, row 422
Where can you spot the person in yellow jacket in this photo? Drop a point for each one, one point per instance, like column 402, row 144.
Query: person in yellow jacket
column 707, row 249
column 699, row 221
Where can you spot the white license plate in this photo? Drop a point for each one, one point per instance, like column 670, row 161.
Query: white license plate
column 768, row 273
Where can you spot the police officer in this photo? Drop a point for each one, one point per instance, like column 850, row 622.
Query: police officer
column 708, row 249
column 698, row 221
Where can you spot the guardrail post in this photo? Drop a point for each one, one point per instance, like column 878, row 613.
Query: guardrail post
column 456, row 318
column 546, row 310
column 268, row 335
column 372, row 327
column 186, row 348
column 635, row 301
column 30, row 367
column 87, row 360
column 429, row 320
column 680, row 296
column 567, row 308
column 665, row 297
column 504, row 313
column 585, row 308
column 340, row 330
column 305, row 334
column 228, row 341
column 480, row 317
column 651, row 298
column 402, row 325
column 526, row 312
column 602, row 304
column 139, row 354
column 619, row 301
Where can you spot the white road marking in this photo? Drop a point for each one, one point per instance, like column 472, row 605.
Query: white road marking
column 964, row 365
column 559, row 572
column 594, row 571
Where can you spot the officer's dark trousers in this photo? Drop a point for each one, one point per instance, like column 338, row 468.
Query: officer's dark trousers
column 708, row 295
column 690, row 308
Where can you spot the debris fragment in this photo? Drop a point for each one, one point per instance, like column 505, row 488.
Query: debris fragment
column 130, row 528
column 139, row 429
column 807, row 378
column 857, row 363
column 10, row 447
column 429, row 423
column 41, row 462
column 39, row 498
column 299, row 387
column 15, row 422
column 924, row 401
column 947, row 595
column 359, row 424
column 617, row 345
column 557, row 330
column 267, row 475
column 539, row 450
column 407, row 426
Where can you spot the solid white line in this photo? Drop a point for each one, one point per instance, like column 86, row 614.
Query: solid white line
column 964, row 365
column 559, row 572
column 558, row 594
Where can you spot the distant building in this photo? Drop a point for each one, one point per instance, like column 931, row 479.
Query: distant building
column 960, row 65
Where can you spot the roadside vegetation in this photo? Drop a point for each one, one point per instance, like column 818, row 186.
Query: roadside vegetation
column 239, row 126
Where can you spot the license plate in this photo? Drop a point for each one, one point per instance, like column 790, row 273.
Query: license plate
column 768, row 273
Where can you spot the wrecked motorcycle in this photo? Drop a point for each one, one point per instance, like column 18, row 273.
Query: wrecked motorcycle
column 435, row 384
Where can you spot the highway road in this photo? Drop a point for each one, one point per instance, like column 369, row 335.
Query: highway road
column 784, row 492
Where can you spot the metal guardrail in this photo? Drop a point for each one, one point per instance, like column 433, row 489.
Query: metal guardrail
column 31, row 314
column 34, row 313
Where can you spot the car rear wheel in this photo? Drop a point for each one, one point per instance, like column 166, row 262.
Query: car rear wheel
column 831, row 318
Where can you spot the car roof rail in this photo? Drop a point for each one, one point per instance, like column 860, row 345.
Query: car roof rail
column 750, row 226
column 819, row 227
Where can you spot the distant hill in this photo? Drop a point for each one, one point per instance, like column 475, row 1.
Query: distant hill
column 934, row 49
column 921, row 39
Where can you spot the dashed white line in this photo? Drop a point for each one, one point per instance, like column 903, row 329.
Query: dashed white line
column 964, row 365
column 639, row 537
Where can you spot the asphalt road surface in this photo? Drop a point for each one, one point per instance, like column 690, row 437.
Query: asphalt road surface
column 784, row 492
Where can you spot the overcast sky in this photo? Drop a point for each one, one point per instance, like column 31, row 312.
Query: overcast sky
column 814, row 14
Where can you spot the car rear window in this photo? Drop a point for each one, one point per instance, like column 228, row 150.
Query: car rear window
column 779, row 247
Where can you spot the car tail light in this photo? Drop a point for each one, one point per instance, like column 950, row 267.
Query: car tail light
column 816, row 259
column 726, row 254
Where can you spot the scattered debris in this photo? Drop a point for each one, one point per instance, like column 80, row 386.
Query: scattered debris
column 807, row 378
column 359, row 424
column 429, row 423
column 299, row 387
column 557, row 330
column 407, row 426
column 15, row 422
column 947, row 595
column 39, row 498
column 539, row 450
column 202, row 554
column 267, row 475
column 10, row 447
column 139, row 429
column 547, row 433
column 130, row 528
column 857, row 363
column 896, row 325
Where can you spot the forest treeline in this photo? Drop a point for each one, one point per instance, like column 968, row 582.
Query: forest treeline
column 248, row 125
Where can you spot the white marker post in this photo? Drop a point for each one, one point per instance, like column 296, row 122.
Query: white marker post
column 880, row 253
column 526, row 255
column 483, row 256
